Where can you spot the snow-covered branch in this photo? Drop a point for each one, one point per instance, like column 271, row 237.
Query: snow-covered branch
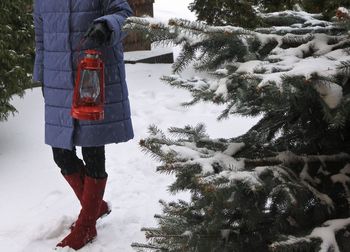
column 323, row 237
column 288, row 158
column 316, row 57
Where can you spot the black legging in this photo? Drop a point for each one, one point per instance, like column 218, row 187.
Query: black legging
column 94, row 158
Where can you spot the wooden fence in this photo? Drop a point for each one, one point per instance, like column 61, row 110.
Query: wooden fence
column 135, row 41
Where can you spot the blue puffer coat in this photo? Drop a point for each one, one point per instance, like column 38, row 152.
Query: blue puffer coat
column 59, row 28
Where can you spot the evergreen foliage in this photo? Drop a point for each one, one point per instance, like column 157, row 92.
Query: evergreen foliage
column 327, row 7
column 223, row 12
column 16, row 49
column 246, row 13
column 279, row 186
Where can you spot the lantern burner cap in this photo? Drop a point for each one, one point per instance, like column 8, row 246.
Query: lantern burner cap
column 92, row 54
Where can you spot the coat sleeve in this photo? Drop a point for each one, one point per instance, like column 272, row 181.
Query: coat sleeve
column 115, row 13
column 39, row 45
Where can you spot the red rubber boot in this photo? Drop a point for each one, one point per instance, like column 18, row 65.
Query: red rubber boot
column 84, row 230
column 76, row 181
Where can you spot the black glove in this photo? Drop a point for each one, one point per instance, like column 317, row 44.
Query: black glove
column 98, row 32
column 42, row 88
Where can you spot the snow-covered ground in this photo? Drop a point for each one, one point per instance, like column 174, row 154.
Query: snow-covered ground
column 36, row 204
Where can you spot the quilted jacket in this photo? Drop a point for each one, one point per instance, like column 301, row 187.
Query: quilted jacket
column 59, row 29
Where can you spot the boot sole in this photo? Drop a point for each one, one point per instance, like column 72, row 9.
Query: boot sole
column 88, row 242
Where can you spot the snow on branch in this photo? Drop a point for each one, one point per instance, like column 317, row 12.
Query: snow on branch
column 287, row 158
column 214, row 160
column 211, row 167
column 327, row 234
column 342, row 13
column 316, row 56
column 202, row 28
column 324, row 237
column 297, row 22
column 214, row 155
column 294, row 17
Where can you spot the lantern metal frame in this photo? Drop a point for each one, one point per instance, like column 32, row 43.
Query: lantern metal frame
column 81, row 111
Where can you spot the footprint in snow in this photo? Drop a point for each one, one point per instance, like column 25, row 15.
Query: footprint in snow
column 53, row 229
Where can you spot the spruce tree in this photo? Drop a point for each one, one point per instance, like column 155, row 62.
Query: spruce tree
column 284, row 185
column 16, row 52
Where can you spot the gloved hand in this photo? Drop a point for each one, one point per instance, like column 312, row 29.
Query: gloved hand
column 98, row 32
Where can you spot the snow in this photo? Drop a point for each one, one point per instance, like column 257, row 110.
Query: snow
column 249, row 178
column 221, row 89
column 233, row 148
column 327, row 234
column 187, row 233
column 191, row 155
column 304, row 175
column 225, row 234
column 340, row 178
column 346, row 169
column 324, row 198
column 308, row 19
column 37, row 205
column 331, row 94
column 250, row 66
column 292, row 63
column 296, row 14
column 139, row 55
column 343, row 10
column 182, row 152
column 287, row 157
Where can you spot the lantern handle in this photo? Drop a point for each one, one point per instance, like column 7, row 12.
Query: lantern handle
column 80, row 45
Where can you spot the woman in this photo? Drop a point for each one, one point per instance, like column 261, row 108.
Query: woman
column 60, row 27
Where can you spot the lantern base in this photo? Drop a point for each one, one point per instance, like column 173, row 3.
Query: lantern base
column 88, row 113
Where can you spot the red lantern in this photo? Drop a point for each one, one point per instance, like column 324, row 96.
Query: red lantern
column 88, row 99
